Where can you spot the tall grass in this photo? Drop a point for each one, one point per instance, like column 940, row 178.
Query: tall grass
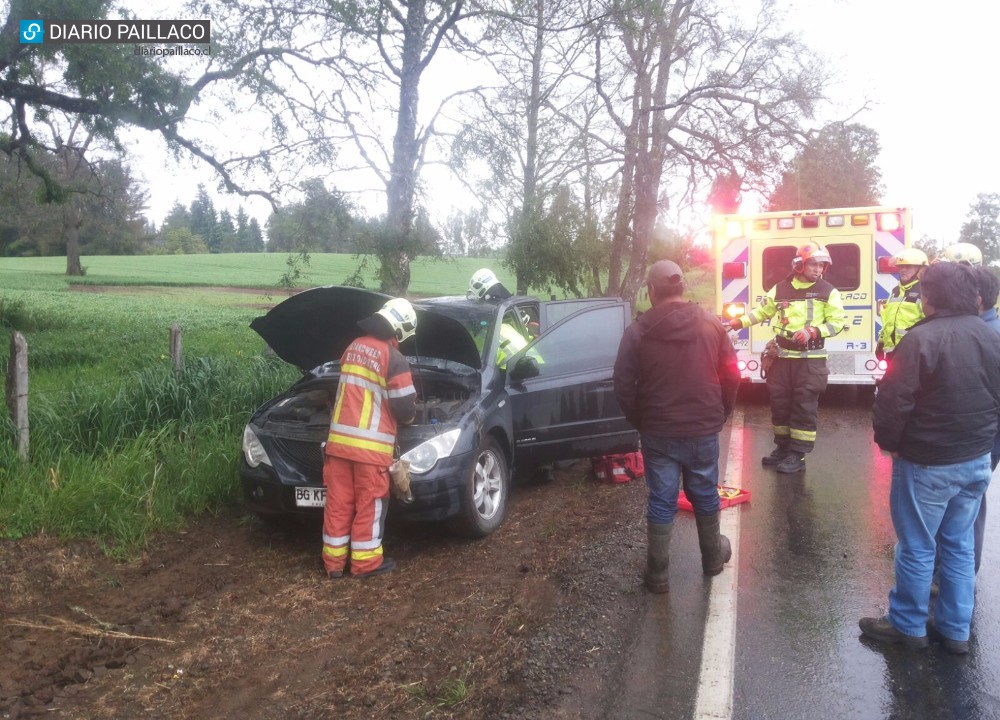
column 119, row 462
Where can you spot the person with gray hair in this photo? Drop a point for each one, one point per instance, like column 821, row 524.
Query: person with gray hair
column 936, row 415
column 676, row 380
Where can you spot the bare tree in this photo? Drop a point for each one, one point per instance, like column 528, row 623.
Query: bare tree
column 693, row 92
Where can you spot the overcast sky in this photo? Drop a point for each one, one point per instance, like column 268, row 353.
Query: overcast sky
column 929, row 76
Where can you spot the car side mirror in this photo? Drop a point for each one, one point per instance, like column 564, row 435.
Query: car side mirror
column 525, row 368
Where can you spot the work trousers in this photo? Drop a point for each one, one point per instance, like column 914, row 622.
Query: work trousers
column 357, row 500
column 794, row 385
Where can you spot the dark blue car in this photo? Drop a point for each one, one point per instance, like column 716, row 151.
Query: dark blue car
column 476, row 423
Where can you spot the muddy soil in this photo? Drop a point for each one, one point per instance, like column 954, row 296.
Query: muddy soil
column 234, row 618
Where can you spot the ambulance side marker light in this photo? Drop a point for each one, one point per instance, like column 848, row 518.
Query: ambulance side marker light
column 762, row 224
column 735, row 310
column 734, row 270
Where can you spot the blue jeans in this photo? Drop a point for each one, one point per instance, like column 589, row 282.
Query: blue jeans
column 941, row 501
column 668, row 461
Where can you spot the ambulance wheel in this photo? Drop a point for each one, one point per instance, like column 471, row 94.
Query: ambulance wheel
column 484, row 496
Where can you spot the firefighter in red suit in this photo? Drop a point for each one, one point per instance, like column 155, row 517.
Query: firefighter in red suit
column 374, row 394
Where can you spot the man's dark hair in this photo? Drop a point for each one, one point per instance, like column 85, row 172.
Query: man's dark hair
column 952, row 287
column 989, row 286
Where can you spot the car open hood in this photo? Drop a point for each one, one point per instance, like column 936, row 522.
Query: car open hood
column 316, row 326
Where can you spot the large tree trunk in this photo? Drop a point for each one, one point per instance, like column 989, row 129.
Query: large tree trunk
column 72, row 220
column 396, row 256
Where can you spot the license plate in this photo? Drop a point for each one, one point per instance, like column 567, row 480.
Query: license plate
column 310, row 496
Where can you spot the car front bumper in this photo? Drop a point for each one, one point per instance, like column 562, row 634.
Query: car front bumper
column 437, row 494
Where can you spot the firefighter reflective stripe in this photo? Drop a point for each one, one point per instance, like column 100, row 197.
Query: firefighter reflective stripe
column 358, row 556
column 781, row 430
column 794, row 305
column 362, row 427
column 807, row 435
column 901, row 312
column 337, row 551
column 511, row 342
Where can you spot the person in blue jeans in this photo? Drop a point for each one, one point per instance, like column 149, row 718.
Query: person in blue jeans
column 936, row 414
column 676, row 380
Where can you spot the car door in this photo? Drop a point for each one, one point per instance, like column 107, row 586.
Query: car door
column 568, row 410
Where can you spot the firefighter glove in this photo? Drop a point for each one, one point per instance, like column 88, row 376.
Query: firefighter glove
column 805, row 335
column 880, row 351
column 399, row 472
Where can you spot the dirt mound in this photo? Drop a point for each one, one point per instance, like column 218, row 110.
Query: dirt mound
column 234, row 617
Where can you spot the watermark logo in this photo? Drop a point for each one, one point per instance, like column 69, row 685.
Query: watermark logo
column 32, row 32
column 183, row 32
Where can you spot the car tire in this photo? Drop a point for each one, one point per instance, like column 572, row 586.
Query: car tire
column 484, row 496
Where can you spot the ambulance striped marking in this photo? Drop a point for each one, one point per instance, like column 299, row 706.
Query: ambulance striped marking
column 718, row 649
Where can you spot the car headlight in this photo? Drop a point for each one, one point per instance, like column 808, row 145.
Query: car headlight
column 253, row 451
column 423, row 457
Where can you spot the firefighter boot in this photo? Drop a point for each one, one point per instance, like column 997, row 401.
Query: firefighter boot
column 715, row 548
column 776, row 456
column 657, row 556
column 793, row 462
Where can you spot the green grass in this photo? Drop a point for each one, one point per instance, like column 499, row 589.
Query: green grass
column 120, row 448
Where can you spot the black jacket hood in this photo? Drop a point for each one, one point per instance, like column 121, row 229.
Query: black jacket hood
column 672, row 322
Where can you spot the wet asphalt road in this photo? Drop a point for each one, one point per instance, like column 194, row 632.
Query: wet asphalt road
column 815, row 555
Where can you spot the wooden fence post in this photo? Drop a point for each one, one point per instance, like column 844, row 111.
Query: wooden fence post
column 175, row 348
column 17, row 390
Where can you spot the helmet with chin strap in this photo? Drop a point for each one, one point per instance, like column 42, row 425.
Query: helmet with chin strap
column 401, row 316
column 810, row 251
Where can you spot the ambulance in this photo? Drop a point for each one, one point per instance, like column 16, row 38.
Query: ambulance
column 754, row 252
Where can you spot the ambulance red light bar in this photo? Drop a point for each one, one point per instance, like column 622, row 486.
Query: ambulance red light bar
column 888, row 222
column 810, row 221
column 886, row 266
column 734, row 270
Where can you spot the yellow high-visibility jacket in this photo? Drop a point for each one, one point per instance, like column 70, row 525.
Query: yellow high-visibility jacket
column 794, row 304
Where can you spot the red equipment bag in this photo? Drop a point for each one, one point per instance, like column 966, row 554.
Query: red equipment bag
column 618, row 468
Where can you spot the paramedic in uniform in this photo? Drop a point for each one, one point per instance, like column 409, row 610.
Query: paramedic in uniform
column 804, row 310
column 902, row 310
column 676, row 380
column 375, row 393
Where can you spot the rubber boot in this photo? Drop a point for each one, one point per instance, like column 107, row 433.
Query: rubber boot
column 715, row 548
column 776, row 456
column 657, row 556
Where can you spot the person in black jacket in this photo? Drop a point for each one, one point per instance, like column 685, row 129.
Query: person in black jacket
column 676, row 380
column 936, row 414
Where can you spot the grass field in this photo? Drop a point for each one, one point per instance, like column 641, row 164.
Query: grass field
column 119, row 446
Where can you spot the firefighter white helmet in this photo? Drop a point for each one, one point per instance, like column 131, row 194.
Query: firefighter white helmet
column 480, row 283
column 911, row 256
column 963, row 253
column 401, row 317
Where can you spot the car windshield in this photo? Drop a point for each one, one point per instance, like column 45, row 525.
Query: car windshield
column 476, row 318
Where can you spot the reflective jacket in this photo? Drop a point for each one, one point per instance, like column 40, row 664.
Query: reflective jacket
column 794, row 304
column 901, row 312
column 375, row 390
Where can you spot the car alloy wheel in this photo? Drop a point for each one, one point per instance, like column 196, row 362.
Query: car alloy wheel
column 484, row 502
